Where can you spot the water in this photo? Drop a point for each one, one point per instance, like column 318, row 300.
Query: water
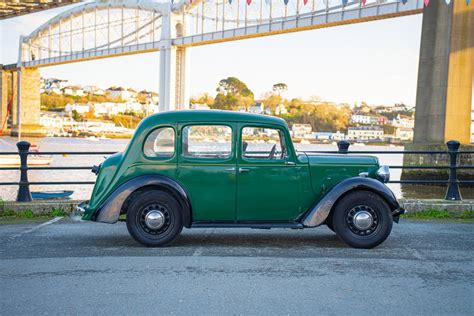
column 82, row 192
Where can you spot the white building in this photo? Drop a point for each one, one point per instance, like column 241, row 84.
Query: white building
column 74, row 91
column 79, row 108
column 365, row 133
column 121, row 93
column 301, row 130
column 281, row 109
column 360, row 118
column 93, row 90
column 199, row 106
column 404, row 133
column 403, row 121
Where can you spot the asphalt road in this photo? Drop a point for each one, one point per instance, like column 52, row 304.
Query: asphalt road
column 67, row 267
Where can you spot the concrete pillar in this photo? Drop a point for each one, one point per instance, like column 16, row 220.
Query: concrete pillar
column 445, row 74
column 3, row 94
column 173, row 92
column 30, row 102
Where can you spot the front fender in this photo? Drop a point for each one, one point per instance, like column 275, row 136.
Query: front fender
column 109, row 212
column 318, row 214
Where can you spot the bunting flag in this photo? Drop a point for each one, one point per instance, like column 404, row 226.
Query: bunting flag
column 363, row 2
column 427, row 2
column 305, row 2
column 467, row 2
column 344, row 2
column 249, row 2
column 268, row 2
column 404, row 1
column 286, row 1
column 448, row 2
column 230, row 1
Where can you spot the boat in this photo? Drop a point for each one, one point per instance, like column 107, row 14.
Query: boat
column 51, row 194
column 34, row 160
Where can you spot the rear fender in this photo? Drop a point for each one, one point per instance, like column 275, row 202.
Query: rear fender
column 109, row 212
column 318, row 214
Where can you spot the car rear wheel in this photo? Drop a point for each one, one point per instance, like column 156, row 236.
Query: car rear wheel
column 154, row 218
column 362, row 219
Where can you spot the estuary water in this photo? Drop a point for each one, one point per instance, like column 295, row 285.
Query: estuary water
column 82, row 192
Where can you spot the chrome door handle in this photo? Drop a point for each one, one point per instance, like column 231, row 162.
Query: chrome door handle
column 244, row 170
column 230, row 169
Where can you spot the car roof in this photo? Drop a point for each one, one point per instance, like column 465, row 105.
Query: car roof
column 213, row 115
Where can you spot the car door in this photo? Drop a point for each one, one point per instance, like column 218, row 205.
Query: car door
column 207, row 169
column 267, row 179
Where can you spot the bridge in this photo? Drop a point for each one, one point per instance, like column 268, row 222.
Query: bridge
column 106, row 29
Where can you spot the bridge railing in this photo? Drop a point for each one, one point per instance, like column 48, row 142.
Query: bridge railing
column 452, row 191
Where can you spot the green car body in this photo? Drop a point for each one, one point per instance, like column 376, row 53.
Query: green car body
column 294, row 190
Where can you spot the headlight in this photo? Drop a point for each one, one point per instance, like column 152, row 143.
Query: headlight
column 383, row 174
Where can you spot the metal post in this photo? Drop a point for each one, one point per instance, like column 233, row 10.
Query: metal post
column 343, row 146
column 24, row 194
column 452, row 193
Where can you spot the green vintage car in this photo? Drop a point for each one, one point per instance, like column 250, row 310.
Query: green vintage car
column 229, row 169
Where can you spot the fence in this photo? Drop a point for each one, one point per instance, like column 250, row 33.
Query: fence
column 452, row 192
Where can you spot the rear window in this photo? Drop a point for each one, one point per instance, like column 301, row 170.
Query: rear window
column 160, row 143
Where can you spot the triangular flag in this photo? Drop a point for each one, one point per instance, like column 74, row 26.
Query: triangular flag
column 286, row 1
column 230, row 1
column 427, row 2
column 467, row 2
column 363, row 2
column 249, row 2
column 344, row 2
column 268, row 2
column 305, row 2
column 448, row 2
column 404, row 1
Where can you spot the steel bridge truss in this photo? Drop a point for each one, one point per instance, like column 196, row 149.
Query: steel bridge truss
column 104, row 29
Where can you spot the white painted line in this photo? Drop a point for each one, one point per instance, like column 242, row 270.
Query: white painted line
column 54, row 220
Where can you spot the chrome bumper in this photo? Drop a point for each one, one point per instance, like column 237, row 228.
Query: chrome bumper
column 81, row 208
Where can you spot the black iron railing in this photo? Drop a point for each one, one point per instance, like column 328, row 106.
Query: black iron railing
column 452, row 192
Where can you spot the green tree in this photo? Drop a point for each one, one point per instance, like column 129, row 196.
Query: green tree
column 280, row 87
column 232, row 93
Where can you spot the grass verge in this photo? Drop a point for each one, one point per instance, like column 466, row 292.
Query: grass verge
column 440, row 214
column 8, row 215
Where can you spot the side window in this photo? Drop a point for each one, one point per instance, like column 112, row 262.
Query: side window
column 160, row 143
column 263, row 143
column 207, row 141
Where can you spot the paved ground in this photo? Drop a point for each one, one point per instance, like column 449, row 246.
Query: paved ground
column 72, row 267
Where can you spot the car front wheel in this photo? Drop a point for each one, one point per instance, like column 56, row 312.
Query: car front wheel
column 362, row 219
column 154, row 218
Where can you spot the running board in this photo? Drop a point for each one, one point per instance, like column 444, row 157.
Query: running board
column 246, row 225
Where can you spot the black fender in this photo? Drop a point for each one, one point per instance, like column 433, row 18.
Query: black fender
column 318, row 214
column 109, row 211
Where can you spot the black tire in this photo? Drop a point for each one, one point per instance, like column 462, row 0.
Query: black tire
column 169, row 213
column 329, row 223
column 352, row 206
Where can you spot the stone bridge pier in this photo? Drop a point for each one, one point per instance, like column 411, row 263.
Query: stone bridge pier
column 444, row 91
column 27, row 92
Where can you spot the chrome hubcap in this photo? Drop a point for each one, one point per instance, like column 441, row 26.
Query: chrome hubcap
column 363, row 220
column 154, row 219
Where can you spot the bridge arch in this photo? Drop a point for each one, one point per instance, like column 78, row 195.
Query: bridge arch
column 94, row 30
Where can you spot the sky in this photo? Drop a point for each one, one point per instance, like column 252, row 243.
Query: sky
column 375, row 62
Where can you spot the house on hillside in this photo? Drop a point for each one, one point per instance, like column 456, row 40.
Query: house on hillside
column 121, row 93
column 362, row 133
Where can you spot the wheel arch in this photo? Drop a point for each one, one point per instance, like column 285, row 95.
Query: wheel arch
column 318, row 214
column 117, row 203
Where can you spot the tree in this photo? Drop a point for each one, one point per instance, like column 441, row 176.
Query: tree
column 232, row 93
column 280, row 87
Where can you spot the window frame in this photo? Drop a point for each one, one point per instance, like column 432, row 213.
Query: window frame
column 282, row 132
column 174, row 143
column 184, row 158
